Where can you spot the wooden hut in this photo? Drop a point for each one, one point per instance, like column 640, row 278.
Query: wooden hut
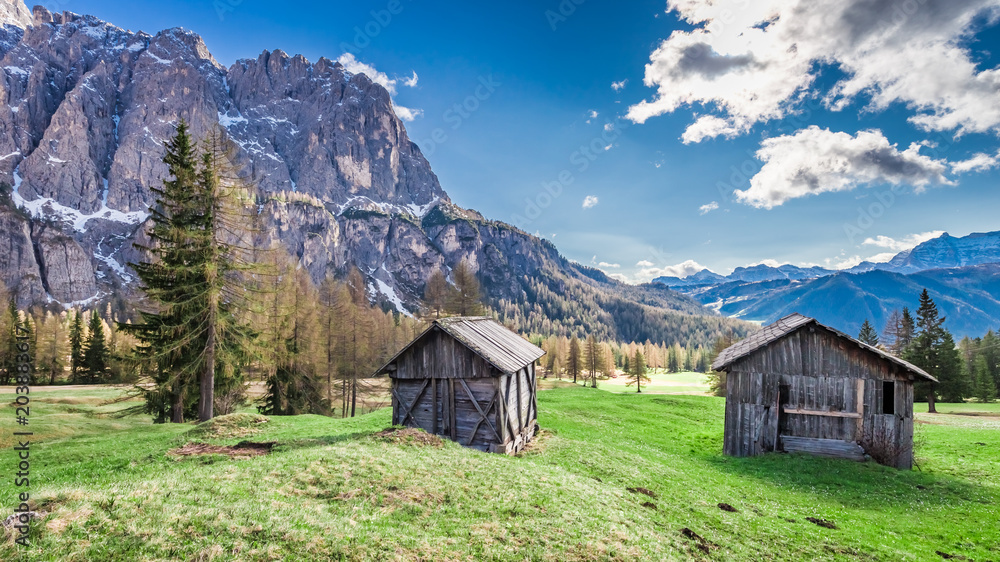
column 468, row 379
column 798, row 385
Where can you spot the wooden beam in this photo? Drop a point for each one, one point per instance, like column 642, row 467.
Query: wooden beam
column 406, row 413
column 479, row 409
column 434, row 409
column 802, row 412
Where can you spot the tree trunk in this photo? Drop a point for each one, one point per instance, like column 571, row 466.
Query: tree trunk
column 177, row 410
column 205, row 404
column 930, row 402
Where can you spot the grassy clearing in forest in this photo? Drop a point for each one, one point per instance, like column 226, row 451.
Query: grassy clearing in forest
column 335, row 489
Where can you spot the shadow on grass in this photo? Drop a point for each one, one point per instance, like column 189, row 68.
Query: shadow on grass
column 855, row 484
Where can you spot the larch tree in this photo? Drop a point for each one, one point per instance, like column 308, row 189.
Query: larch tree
column 436, row 293
column 465, row 299
column 637, row 371
column 574, row 361
column 593, row 358
column 890, row 334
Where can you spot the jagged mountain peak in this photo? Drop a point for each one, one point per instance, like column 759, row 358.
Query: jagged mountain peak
column 15, row 13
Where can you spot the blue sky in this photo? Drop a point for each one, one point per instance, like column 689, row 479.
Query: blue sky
column 766, row 133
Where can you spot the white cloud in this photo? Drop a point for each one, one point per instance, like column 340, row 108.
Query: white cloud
column 618, row 277
column 904, row 243
column 768, row 262
column 750, row 62
column 354, row 66
column 683, row 269
column 407, row 114
column 589, row 201
column 979, row 162
column 619, row 86
column 611, row 265
column 592, row 115
column 708, row 207
column 815, row 160
column 644, row 263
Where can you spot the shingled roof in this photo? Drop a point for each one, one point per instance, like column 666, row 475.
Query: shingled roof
column 786, row 326
column 486, row 337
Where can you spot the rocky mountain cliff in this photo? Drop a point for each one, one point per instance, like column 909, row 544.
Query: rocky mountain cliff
column 85, row 109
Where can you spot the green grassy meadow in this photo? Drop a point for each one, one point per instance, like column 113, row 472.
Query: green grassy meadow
column 334, row 490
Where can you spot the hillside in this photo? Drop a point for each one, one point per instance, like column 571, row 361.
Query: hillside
column 333, row 489
column 86, row 109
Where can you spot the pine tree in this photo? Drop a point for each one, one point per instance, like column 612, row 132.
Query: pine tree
column 193, row 341
column 952, row 381
column 925, row 349
column 637, row 371
column 95, row 352
column 465, row 298
column 436, row 294
column 868, row 334
column 76, row 346
column 573, row 362
column 985, row 390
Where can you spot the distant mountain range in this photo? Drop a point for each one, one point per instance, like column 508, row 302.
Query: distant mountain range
column 961, row 274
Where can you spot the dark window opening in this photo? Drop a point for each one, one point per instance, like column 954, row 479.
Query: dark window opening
column 888, row 397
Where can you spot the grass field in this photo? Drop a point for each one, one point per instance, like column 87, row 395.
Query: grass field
column 333, row 489
column 661, row 382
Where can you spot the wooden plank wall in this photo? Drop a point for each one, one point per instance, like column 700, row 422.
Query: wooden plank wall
column 441, row 356
column 824, row 373
column 441, row 401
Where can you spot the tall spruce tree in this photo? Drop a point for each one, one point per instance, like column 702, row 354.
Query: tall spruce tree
column 76, row 345
column 984, row 389
column 925, row 349
column 868, row 334
column 95, row 351
column 192, row 339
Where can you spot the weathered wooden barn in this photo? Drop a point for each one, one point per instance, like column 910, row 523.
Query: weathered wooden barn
column 468, row 379
column 798, row 385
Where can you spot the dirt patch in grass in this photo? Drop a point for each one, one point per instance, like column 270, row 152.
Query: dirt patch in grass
column 822, row 523
column 699, row 541
column 409, row 436
column 643, row 491
column 727, row 507
column 242, row 450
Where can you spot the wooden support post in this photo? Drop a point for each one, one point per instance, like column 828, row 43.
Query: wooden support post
column 434, row 406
